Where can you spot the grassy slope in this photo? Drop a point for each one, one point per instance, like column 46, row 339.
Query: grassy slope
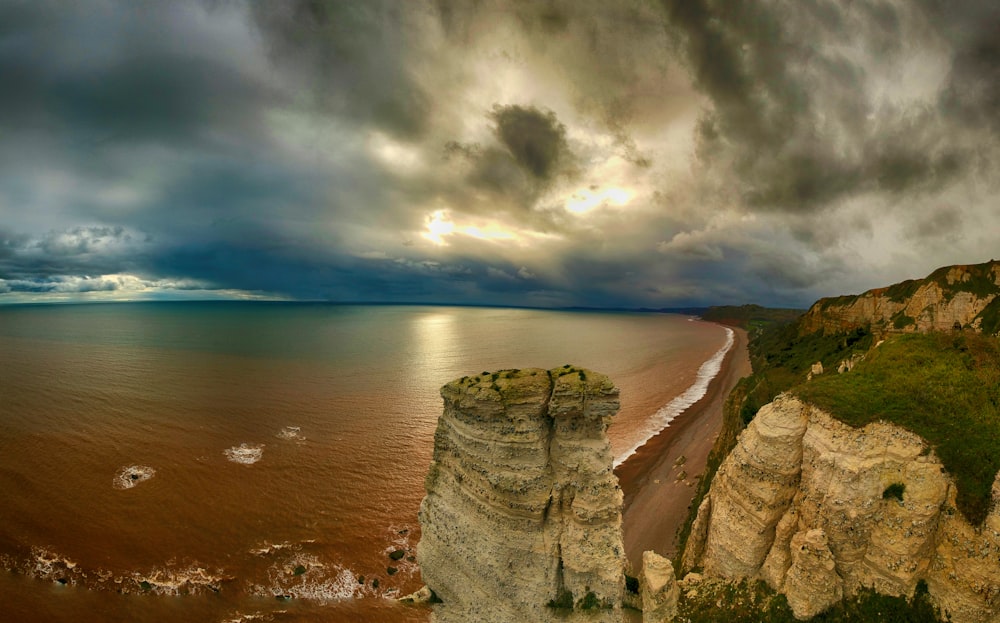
column 944, row 387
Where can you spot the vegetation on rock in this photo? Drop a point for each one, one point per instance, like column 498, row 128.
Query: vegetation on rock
column 943, row 387
column 755, row 602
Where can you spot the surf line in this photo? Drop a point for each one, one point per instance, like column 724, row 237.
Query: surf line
column 665, row 414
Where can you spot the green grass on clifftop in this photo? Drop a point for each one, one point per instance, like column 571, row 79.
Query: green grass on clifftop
column 944, row 387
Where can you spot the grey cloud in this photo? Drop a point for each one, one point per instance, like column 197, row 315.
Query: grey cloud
column 299, row 147
column 352, row 58
column 791, row 113
column 945, row 222
column 535, row 139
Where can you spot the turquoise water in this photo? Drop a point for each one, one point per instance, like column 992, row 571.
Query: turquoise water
column 206, row 461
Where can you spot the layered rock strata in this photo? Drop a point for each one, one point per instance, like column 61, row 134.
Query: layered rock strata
column 953, row 296
column 818, row 510
column 522, row 508
column 659, row 590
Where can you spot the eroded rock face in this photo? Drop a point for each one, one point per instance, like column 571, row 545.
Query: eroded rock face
column 875, row 503
column 811, row 583
column 752, row 490
column 522, row 507
column 949, row 297
column 658, row 586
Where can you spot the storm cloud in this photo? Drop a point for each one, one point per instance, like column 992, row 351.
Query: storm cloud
column 624, row 153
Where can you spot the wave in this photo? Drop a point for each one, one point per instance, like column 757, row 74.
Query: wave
column 170, row 579
column 245, row 453
column 186, row 580
column 662, row 418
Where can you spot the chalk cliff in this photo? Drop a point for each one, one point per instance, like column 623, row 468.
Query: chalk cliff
column 819, row 509
column 522, row 508
column 964, row 296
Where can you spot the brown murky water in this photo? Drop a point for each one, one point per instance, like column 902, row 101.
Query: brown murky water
column 249, row 461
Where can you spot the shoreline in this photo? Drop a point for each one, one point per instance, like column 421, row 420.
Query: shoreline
column 661, row 419
column 656, row 499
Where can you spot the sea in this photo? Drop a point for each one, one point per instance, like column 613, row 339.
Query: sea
column 264, row 461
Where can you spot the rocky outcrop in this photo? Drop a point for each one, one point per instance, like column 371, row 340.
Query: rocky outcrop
column 811, row 582
column 818, row 510
column 954, row 296
column 522, row 508
column 658, row 587
column 756, row 485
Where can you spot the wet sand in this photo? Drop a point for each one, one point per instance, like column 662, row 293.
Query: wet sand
column 656, row 496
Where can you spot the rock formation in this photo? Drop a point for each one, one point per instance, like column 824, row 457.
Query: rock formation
column 658, row 587
column 950, row 297
column 818, row 510
column 522, row 508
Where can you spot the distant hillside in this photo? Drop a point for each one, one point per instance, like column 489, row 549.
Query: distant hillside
column 952, row 297
column 750, row 317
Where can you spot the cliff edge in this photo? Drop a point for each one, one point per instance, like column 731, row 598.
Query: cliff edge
column 962, row 297
column 820, row 510
column 523, row 511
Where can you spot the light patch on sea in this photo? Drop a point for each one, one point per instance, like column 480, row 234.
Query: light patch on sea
column 245, row 453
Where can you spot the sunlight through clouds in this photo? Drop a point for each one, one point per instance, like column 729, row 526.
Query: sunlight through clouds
column 584, row 201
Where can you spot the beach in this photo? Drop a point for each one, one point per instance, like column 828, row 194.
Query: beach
column 659, row 479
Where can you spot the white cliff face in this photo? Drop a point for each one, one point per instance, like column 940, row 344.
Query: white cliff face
column 522, row 507
column 760, row 477
column 937, row 303
column 824, row 512
column 658, row 587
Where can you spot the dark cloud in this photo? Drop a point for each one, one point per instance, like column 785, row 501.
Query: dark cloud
column 560, row 152
column 535, row 138
column 352, row 59
column 792, row 110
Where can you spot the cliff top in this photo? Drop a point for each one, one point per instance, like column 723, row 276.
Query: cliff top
column 978, row 279
column 521, row 386
column 943, row 387
column 943, row 384
column 961, row 296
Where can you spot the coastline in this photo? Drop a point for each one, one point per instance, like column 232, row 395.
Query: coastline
column 656, row 500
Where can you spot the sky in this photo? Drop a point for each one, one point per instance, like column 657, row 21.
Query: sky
column 600, row 153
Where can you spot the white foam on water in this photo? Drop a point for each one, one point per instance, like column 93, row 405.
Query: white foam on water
column 270, row 548
column 291, row 433
column 191, row 579
column 315, row 581
column 662, row 418
column 239, row 617
column 128, row 477
column 244, row 453
column 48, row 565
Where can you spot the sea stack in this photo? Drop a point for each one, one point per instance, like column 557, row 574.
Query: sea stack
column 523, row 511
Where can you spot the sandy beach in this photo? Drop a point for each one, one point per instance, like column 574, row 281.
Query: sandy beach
column 658, row 483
